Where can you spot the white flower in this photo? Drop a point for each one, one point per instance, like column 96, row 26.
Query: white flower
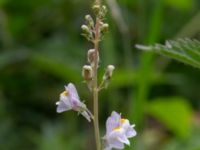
column 118, row 130
column 69, row 100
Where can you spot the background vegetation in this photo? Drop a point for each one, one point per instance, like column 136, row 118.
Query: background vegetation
column 41, row 50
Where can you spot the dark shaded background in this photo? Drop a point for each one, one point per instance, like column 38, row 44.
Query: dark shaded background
column 41, row 50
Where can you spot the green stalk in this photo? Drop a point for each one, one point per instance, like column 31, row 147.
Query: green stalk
column 95, row 86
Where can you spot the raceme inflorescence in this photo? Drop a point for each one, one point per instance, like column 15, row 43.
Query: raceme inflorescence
column 118, row 129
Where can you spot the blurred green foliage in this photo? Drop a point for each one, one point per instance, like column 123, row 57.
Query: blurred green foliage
column 172, row 112
column 41, row 49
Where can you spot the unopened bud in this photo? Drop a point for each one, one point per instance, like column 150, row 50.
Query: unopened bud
column 109, row 72
column 88, row 17
column 104, row 10
column 101, row 23
column 104, row 27
column 96, row 9
column 85, row 29
column 91, row 56
column 87, row 72
column 89, row 20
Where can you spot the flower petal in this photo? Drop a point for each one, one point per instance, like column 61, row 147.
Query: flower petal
column 125, row 123
column 72, row 91
column 113, row 142
column 114, row 139
column 78, row 105
column 108, row 148
column 63, row 104
column 122, row 138
column 131, row 132
column 118, row 145
column 112, row 122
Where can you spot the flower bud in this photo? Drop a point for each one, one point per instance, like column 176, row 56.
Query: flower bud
column 108, row 73
column 104, row 10
column 87, row 73
column 104, row 28
column 89, row 20
column 91, row 56
column 88, row 17
column 85, row 29
column 101, row 23
column 96, row 9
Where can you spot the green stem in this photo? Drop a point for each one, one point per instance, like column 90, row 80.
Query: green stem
column 95, row 82
column 98, row 2
column 95, row 86
column 96, row 120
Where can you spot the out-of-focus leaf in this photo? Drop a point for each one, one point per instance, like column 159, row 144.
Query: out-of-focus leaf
column 53, row 137
column 180, row 4
column 51, row 65
column 124, row 77
column 192, row 143
column 41, row 61
column 127, row 2
column 2, row 2
column 11, row 57
column 183, row 50
column 174, row 113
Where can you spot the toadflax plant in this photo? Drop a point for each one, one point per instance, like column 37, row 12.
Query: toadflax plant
column 118, row 129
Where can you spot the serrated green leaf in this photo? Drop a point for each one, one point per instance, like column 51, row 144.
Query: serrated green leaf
column 174, row 113
column 183, row 50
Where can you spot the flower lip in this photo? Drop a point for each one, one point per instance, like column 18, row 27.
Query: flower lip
column 64, row 93
column 117, row 128
column 122, row 120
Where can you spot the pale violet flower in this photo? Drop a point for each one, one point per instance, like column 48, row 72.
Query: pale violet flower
column 118, row 130
column 69, row 100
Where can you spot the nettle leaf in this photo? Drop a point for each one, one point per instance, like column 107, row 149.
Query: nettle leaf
column 184, row 50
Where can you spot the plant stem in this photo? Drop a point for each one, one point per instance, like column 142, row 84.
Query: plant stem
column 95, row 85
column 98, row 2
column 96, row 120
column 95, row 82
